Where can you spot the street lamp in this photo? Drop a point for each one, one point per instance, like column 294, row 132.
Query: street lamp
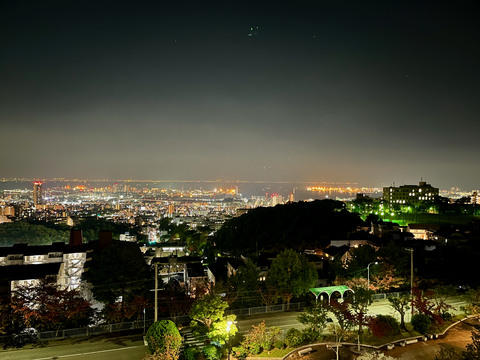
column 368, row 273
column 229, row 325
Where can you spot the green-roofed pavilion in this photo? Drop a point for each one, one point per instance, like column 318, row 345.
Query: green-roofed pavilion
column 329, row 290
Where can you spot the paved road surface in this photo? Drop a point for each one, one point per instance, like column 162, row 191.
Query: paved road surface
column 122, row 348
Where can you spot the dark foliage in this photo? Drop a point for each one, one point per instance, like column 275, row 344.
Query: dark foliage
column 119, row 271
column 295, row 225
column 92, row 226
column 34, row 234
column 421, row 323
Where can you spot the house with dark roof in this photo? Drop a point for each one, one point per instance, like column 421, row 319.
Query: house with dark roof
column 70, row 257
column 12, row 276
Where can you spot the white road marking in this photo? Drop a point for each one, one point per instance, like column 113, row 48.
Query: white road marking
column 89, row 353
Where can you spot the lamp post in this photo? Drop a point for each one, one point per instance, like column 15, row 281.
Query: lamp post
column 229, row 325
column 156, row 292
column 368, row 273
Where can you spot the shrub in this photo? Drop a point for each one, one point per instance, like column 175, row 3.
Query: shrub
column 255, row 349
column 309, row 335
column 239, row 352
column 421, row 323
column 212, row 352
column 391, row 322
column 158, row 331
column 199, row 330
column 447, row 316
column 378, row 328
column 266, row 345
column 279, row 344
column 191, row 353
column 294, row 337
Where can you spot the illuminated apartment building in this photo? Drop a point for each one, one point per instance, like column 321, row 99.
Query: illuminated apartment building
column 409, row 194
column 37, row 193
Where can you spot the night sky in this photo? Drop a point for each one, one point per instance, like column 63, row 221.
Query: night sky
column 367, row 92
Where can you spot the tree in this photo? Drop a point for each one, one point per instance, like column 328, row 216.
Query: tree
column 221, row 330
column 375, row 355
column 291, row 274
column 339, row 334
column 208, row 310
column 401, row 305
column 351, row 283
column 269, row 294
column 472, row 298
column 118, row 273
column 284, row 226
column 342, row 313
column 385, row 278
column 359, row 306
column 473, row 349
column 129, row 310
column 315, row 318
column 260, row 335
column 396, row 256
column 440, row 296
column 447, row 354
column 432, row 303
column 48, row 306
column 164, row 336
column 243, row 286
column 360, row 258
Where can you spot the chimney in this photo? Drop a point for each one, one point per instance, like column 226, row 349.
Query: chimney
column 76, row 239
column 105, row 239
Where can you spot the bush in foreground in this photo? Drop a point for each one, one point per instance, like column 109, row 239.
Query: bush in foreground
column 159, row 331
column 294, row 337
column 421, row 323
column 212, row 352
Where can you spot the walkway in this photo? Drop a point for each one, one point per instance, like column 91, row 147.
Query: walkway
column 457, row 337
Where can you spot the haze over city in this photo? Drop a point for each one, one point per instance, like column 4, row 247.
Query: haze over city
column 364, row 93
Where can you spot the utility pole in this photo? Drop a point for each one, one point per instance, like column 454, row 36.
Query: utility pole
column 411, row 276
column 156, row 292
column 368, row 273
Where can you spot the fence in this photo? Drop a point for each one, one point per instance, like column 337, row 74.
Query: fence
column 392, row 294
column 266, row 309
column 109, row 328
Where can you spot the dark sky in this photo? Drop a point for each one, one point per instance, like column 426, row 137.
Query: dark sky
column 368, row 92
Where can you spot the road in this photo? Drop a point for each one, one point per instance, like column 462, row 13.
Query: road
column 131, row 347
column 121, row 348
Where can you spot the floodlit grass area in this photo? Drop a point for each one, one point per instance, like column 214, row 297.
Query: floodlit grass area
column 275, row 353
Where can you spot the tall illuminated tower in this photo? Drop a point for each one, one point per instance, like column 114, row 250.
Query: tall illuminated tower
column 37, row 193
